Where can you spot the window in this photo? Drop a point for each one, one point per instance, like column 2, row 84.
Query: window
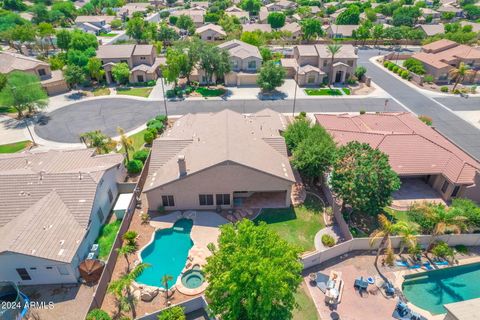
column 445, row 186
column 206, row 199
column 324, row 63
column 100, row 214
column 142, row 58
column 311, row 79
column 41, row 72
column 234, row 64
column 110, row 195
column 140, row 78
column 23, row 273
column 168, row 201
column 223, row 199
column 49, row 268
column 455, row 191
column 252, row 64
column 209, row 38
column 33, row 268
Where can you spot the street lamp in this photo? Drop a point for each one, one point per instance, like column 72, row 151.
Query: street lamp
column 386, row 103
column 295, row 94
column 29, row 132
column 164, row 99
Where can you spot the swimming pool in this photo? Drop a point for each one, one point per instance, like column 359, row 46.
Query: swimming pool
column 431, row 290
column 167, row 254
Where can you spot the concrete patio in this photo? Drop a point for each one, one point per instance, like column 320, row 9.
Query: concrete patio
column 414, row 190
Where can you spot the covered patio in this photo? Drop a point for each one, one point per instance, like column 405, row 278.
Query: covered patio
column 255, row 200
column 414, row 190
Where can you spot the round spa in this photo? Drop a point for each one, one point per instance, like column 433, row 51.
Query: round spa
column 193, row 278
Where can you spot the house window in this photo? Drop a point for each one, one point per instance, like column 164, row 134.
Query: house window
column 234, row 65
column 142, row 58
column 324, row 63
column 311, row 79
column 206, row 199
column 209, row 38
column 41, row 72
column 23, row 273
column 168, row 201
column 455, row 191
column 140, row 78
column 110, row 195
column 444, row 186
column 252, row 64
column 100, row 214
column 223, row 199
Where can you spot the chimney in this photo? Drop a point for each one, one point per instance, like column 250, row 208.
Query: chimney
column 182, row 166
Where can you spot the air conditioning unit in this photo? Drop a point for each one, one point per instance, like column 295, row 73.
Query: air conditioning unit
column 91, row 255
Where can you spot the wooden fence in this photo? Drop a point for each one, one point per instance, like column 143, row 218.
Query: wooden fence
column 107, row 273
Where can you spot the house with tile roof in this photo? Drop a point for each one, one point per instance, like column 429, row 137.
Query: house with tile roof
column 220, row 160
column 53, row 205
column 441, row 56
column 211, row 32
column 415, row 150
column 239, row 13
column 94, row 24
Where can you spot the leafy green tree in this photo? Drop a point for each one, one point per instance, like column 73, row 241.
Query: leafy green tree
column 241, row 271
column 255, row 38
column 14, row 5
column 405, row 16
column 82, row 41
column 271, row 76
column 370, row 14
column 186, row 23
column 3, row 81
column 266, row 54
column 252, row 6
column 377, row 32
column 23, row 91
column 363, row 178
column 315, row 153
column 349, row 16
column 98, row 314
column 45, row 32
column 74, row 75
column 214, row 62
column 172, row 69
column 472, row 11
column 80, row 57
column 121, row 73
column 94, row 66
column 276, row 19
column 23, row 33
column 167, row 34
column 230, row 23
column 63, row 39
column 137, row 29
column 296, row 132
column 311, row 28
column 65, row 9
column 362, row 33
column 173, row 313
column 101, row 142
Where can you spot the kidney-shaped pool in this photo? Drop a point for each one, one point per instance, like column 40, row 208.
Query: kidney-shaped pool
column 167, row 254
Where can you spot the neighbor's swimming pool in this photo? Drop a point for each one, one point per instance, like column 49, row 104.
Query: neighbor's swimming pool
column 167, row 254
column 431, row 290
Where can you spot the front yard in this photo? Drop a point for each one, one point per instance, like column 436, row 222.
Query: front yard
column 296, row 225
column 210, row 92
column 138, row 141
column 15, row 147
column 137, row 92
column 327, row 92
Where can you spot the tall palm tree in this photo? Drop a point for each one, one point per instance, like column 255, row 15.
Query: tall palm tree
column 458, row 74
column 127, row 250
column 443, row 220
column 333, row 48
column 165, row 279
column 126, row 142
column 385, row 230
column 120, row 288
column 407, row 232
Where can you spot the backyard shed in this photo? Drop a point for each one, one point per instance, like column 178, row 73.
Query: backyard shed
column 122, row 204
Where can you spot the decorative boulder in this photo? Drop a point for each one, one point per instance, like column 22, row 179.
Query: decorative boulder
column 148, row 293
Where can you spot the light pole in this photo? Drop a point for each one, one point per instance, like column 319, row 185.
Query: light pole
column 295, row 94
column 386, row 103
column 29, row 132
column 164, row 99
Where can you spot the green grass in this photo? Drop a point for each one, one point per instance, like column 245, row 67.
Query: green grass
column 347, row 91
column 296, row 225
column 306, row 308
column 7, row 109
column 323, row 92
column 102, row 91
column 14, row 147
column 137, row 92
column 110, row 34
column 138, row 141
column 207, row 92
column 107, row 236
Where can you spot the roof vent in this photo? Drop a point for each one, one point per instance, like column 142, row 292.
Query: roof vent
column 41, row 173
column 80, row 176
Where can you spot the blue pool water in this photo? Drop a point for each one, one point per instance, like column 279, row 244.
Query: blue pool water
column 431, row 290
column 167, row 254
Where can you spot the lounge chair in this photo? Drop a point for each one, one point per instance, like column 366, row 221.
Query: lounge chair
column 441, row 263
column 401, row 263
column 415, row 266
column 321, row 280
column 427, row 266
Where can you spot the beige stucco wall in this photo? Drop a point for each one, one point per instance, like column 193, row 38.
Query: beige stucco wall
column 144, row 59
column 146, row 76
column 224, row 178
column 242, row 64
column 302, row 79
column 56, row 87
column 129, row 61
column 210, row 35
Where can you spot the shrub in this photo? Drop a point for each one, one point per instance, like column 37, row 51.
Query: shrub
column 362, row 111
column 116, row 24
column 148, row 137
column 444, row 89
column 161, row 209
column 328, row 241
column 162, row 118
column 386, row 64
column 164, row 14
column 428, row 78
column 456, row 91
column 360, row 72
column 141, row 155
column 442, row 250
column 170, row 93
column 130, row 237
column 395, row 69
column 156, row 125
column 391, row 66
column 134, row 166
column 425, row 119
column 352, row 80
column 461, row 249
column 151, row 83
column 404, row 74
column 173, row 20
column 98, row 314
column 473, row 89
column 414, row 65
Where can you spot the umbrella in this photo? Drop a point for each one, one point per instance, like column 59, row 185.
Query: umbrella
column 91, row 270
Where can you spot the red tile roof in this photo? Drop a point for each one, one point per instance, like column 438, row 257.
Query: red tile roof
column 413, row 147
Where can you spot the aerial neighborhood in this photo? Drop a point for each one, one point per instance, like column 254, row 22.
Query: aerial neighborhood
column 239, row 159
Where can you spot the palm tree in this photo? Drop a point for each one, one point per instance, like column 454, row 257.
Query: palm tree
column 96, row 139
column 130, row 237
column 408, row 233
column 458, row 74
column 126, row 142
column 127, row 250
column 444, row 220
column 120, row 288
column 385, row 230
column 333, row 48
column 165, row 279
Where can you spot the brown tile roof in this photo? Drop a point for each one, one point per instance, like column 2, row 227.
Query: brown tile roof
column 13, row 61
column 213, row 27
column 443, row 53
column 413, row 147
column 240, row 49
column 115, row 51
column 43, row 195
column 208, row 139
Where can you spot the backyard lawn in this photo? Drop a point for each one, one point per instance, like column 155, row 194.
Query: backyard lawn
column 105, row 240
column 137, row 92
column 306, row 308
column 210, row 92
column 323, row 92
column 102, row 91
column 137, row 141
column 14, row 147
column 296, row 225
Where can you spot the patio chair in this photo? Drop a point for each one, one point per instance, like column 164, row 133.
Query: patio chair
column 360, row 284
column 441, row 263
column 389, row 289
column 322, row 280
column 402, row 263
column 427, row 266
column 415, row 266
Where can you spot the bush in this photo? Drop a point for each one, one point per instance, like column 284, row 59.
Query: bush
column 391, row 65
column 425, row 119
column 473, row 89
column 173, row 20
column 444, row 89
column 171, row 93
column 404, row 74
column 328, row 241
column 164, row 14
column 141, row 155
column 352, row 80
column 442, row 250
column 414, row 65
column 395, row 69
column 461, row 249
column 386, row 64
column 98, row 314
column 362, row 111
column 162, row 118
column 116, row 24
column 456, row 91
column 360, row 72
column 156, row 125
column 161, row 209
column 148, row 137
column 428, row 78
column 134, row 166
